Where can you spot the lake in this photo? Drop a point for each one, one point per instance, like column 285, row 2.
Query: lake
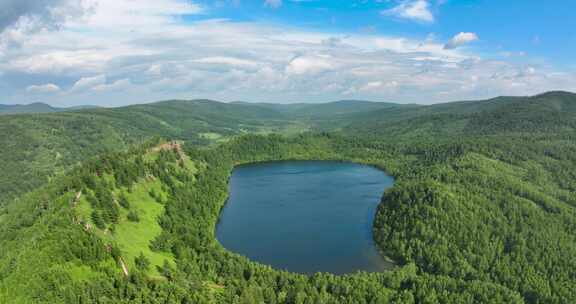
column 305, row 216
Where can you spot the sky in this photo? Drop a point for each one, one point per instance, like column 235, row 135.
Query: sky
column 119, row 52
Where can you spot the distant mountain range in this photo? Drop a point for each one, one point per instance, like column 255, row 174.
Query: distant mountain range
column 66, row 136
column 348, row 110
column 37, row 107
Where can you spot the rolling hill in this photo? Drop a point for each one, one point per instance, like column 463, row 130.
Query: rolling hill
column 99, row 209
column 548, row 113
column 37, row 107
column 29, row 108
column 36, row 146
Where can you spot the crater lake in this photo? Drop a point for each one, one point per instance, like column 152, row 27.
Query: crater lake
column 305, row 216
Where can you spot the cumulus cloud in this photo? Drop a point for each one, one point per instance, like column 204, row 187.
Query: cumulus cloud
column 311, row 64
column 416, row 10
column 379, row 86
column 273, row 3
column 121, row 84
column 87, row 83
column 41, row 89
column 128, row 51
column 460, row 39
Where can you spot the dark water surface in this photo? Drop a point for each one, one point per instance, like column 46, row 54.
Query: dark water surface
column 305, row 216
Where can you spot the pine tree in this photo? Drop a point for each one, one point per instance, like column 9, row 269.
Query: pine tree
column 142, row 262
column 133, row 216
column 97, row 219
column 123, row 201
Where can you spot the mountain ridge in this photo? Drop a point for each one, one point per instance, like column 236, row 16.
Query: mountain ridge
column 38, row 108
column 57, row 140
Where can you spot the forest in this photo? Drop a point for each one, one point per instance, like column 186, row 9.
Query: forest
column 482, row 213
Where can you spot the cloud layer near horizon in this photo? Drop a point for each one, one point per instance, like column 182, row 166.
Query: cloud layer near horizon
column 116, row 52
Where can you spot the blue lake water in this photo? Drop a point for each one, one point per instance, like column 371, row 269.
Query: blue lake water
column 305, row 216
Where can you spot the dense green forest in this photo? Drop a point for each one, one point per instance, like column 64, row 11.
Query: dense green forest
column 36, row 146
column 483, row 209
column 37, row 107
column 29, row 108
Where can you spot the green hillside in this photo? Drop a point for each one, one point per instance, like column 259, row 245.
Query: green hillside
column 483, row 209
column 26, row 109
column 468, row 222
column 37, row 108
column 36, row 146
column 331, row 115
column 549, row 113
column 183, row 263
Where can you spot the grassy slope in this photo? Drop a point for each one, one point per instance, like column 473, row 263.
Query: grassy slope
column 42, row 232
column 134, row 238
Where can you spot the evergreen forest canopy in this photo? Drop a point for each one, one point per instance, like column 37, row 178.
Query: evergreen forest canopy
column 120, row 205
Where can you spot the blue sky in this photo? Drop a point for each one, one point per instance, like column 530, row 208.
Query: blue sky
column 117, row 52
column 545, row 31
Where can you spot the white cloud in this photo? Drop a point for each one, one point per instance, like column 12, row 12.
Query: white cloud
column 273, row 3
column 87, row 83
column 310, row 64
column 121, row 84
column 42, row 89
column 416, row 10
column 141, row 51
column 380, row 86
column 59, row 62
column 35, row 14
column 226, row 61
column 136, row 14
column 460, row 39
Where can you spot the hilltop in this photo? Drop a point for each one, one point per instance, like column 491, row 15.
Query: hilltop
column 29, row 108
column 55, row 141
column 548, row 113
